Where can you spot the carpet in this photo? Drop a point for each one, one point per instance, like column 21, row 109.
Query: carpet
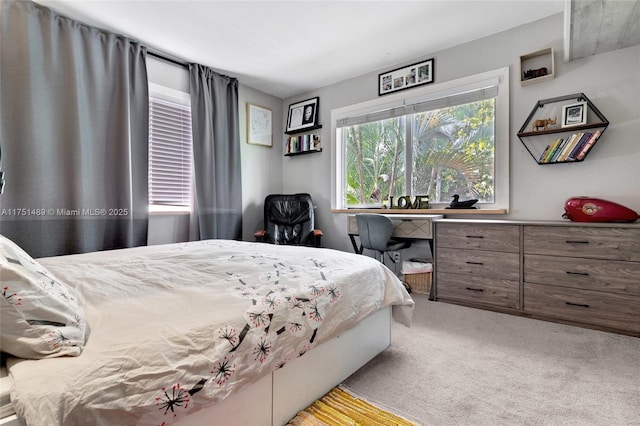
column 459, row 366
column 340, row 408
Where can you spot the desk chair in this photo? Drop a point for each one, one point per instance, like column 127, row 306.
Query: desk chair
column 375, row 234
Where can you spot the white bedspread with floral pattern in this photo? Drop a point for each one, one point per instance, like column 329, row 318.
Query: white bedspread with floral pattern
column 177, row 327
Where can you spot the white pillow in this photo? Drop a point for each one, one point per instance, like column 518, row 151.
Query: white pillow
column 41, row 317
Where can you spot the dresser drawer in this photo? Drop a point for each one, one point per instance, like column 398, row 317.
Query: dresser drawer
column 595, row 243
column 479, row 263
column 505, row 238
column 584, row 306
column 474, row 289
column 588, row 274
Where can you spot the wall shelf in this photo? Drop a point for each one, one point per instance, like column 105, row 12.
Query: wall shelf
column 556, row 141
column 305, row 141
column 306, row 129
column 536, row 67
column 311, row 151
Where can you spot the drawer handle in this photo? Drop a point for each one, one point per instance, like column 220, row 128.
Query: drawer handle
column 475, row 236
column 576, row 242
column 586, row 274
column 475, row 263
column 582, row 305
column 475, row 289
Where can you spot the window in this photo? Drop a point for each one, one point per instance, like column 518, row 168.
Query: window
column 170, row 148
column 438, row 143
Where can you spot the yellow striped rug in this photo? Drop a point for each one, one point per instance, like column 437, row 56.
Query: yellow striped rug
column 340, row 408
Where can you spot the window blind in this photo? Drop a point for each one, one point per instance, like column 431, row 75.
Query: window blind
column 470, row 96
column 170, row 148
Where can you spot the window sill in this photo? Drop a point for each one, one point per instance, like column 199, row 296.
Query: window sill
column 423, row 211
column 168, row 210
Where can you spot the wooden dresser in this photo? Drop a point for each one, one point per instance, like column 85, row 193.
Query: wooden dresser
column 478, row 263
column 578, row 273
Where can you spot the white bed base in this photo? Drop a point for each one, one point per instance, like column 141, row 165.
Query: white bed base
column 276, row 398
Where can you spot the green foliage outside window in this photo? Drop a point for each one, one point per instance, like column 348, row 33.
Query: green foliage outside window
column 452, row 151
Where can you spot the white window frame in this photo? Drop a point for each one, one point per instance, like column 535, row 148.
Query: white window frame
column 183, row 98
column 499, row 77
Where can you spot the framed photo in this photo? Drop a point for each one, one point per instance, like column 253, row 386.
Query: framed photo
column 303, row 115
column 574, row 114
column 259, row 125
column 406, row 77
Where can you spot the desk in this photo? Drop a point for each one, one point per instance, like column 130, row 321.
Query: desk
column 407, row 226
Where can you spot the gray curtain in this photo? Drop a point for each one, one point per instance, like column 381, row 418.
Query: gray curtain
column 216, row 153
column 74, row 134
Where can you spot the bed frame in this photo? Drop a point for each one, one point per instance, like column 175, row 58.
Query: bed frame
column 277, row 398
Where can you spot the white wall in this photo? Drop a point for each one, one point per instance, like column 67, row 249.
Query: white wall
column 612, row 170
column 261, row 166
column 611, row 81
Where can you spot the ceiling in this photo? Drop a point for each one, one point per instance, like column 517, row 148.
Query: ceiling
column 285, row 48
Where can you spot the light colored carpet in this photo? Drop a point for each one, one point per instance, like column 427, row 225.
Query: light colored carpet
column 463, row 366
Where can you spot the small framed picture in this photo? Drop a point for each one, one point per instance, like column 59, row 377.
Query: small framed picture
column 259, row 125
column 406, row 77
column 303, row 115
column 574, row 114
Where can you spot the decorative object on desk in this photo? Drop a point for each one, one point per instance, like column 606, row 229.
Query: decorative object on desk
column 544, row 123
column 586, row 209
column 574, row 114
column 406, row 77
column 303, row 115
column 457, row 204
column 259, row 125
column 404, row 202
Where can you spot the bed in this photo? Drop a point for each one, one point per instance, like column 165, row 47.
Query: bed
column 216, row 332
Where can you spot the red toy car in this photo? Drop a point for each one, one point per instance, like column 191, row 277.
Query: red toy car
column 586, row 209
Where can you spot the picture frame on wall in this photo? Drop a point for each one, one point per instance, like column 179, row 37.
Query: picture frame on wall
column 259, row 125
column 574, row 114
column 303, row 115
column 406, row 77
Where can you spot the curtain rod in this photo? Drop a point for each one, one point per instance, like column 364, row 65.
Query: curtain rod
column 166, row 58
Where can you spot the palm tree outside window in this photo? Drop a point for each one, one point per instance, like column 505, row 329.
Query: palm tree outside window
column 432, row 144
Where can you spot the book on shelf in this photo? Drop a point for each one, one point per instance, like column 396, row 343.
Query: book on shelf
column 552, row 149
column 568, row 147
column 302, row 143
column 544, row 154
column 588, row 144
column 558, row 149
column 578, row 146
column 571, row 148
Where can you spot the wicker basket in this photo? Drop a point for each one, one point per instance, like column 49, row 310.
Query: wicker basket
column 419, row 283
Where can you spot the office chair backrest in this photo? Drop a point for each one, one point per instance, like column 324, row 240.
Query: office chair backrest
column 374, row 230
column 288, row 218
